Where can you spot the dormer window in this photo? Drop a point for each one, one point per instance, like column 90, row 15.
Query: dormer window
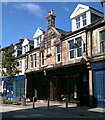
column 25, row 48
column 39, row 40
column 81, row 21
column 84, row 19
column 78, row 22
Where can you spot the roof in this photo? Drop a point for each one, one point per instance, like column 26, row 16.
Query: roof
column 95, row 24
column 62, row 32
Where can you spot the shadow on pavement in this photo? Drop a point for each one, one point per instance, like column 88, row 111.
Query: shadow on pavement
column 54, row 111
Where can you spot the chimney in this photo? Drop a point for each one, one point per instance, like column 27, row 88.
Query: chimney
column 50, row 19
column 103, row 5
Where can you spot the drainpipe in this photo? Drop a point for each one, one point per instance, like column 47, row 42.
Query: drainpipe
column 89, row 65
column 103, row 5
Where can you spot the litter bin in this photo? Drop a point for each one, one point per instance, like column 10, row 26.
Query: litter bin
column 23, row 101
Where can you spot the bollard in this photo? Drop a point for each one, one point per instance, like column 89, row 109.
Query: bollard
column 33, row 103
column 67, row 102
column 48, row 103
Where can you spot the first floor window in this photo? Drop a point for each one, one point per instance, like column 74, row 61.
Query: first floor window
column 79, row 47
column 71, row 49
column 35, row 60
column 58, row 53
column 31, row 61
column 42, row 58
column 102, row 41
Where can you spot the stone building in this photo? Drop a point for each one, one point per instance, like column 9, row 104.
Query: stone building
column 62, row 65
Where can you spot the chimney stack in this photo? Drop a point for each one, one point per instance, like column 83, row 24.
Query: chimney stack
column 50, row 19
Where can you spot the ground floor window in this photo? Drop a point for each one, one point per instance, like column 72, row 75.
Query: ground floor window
column 18, row 88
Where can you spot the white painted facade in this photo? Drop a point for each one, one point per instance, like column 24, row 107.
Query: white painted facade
column 26, row 45
column 38, row 37
column 77, row 16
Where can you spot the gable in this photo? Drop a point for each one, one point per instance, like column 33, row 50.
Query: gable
column 78, row 10
column 25, row 42
column 38, row 33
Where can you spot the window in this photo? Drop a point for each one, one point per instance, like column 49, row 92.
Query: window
column 102, row 41
column 31, row 61
column 31, row 47
column 84, row 19
column 35, row 60
column 71, row 49
column 75, row 48
column 19, row 52
column 78, row 22
column 25, row 62
column 25, row 48
column 39, row 40
column 42, row 58
column 79, row 47
column 58, row 53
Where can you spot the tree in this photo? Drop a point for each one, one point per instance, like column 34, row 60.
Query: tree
column 9, row 64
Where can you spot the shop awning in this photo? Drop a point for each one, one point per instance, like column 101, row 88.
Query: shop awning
column 20, row 77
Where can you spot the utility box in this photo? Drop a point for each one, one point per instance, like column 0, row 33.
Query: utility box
column 23, row 101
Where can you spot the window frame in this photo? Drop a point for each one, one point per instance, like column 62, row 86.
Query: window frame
column 102, row 48
column 78, row 22
column 79, row 47
column 71, row 49
column 35, row 59
column 58, row 53
column 31, row 61
column 75, row 49
column 84, row 19
column 42, row 58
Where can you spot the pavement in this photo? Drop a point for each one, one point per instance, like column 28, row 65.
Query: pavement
column 55, row 110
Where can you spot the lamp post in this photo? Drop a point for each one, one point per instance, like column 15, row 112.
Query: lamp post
column 48, row 98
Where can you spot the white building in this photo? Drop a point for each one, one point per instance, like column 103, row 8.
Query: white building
column 83, row 15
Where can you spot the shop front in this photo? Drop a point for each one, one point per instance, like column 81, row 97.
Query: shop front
column 99, row 83
column 15, row 89
column 60, row 83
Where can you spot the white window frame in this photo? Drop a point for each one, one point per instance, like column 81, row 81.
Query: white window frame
column 71, row 50
column 78, row 23
column 75, row 49
column 101, row 41
column 42, row 58
column 35, row 60
column 84, row 19
column 79, row 47
column 57, row 54
column 31, row 61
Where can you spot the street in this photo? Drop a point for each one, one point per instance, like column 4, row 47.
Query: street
column 55, row 111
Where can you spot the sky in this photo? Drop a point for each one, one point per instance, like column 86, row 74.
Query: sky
column 21, row 19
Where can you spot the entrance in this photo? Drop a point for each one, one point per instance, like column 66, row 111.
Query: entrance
column 73, row 88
